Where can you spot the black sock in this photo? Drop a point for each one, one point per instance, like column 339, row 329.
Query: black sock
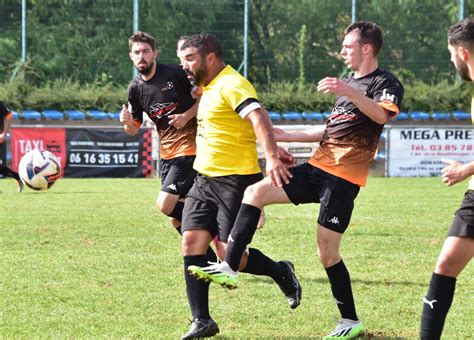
column 177, row 211
column 242, row 232
column 260, row 264
column 211, row 255
column 7, row 172
column 436, row 305
column 341, row 290
column 197, row 291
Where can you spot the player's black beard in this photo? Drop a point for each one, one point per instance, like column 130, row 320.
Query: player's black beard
column 462, row 69
column 199, row 76
column 464, row 72
column 147, row 70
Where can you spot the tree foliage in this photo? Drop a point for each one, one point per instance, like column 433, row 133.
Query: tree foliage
column 85, row 41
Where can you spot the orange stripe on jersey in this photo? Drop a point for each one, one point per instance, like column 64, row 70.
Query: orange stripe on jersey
column 390, row 107
column 137, row 123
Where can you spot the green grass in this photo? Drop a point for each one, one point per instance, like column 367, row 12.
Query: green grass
column 94, row 258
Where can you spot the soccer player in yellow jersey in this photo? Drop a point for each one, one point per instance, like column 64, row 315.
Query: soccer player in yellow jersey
column 458, row 249
column 230, row 119
column 365, row 100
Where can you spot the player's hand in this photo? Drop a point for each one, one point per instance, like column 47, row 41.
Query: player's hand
column 335, row 86
column 125, row 115
column 179, row 120
column 453, row 173
column 277, row 171
column 286, row 157
column 196, row 92
column 3, row 137
column 280, row 135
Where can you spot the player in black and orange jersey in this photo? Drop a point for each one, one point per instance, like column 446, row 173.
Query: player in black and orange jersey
column 163, row 92
column 458, row 248
column 365, row 101
column 6, row 117
column 230, row 119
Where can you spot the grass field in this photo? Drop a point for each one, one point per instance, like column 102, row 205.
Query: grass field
column 94, row 258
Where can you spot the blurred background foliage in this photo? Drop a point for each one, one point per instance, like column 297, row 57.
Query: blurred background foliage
column 77, row 50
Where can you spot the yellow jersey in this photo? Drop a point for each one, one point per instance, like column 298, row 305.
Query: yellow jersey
column 225, row 142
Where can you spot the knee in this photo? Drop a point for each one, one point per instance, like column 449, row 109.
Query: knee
column 189, row 243
column 254, row 195
column 164, row 205
column 445, row 265
column 328, row 255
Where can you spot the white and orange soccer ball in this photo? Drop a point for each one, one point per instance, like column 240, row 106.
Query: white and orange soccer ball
column 39, row 169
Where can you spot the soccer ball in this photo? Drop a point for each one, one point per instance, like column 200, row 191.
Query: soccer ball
column 39, row 169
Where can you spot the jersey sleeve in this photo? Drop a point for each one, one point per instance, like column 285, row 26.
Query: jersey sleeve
column 242, row 97
column 389, row 94
column 134, row 105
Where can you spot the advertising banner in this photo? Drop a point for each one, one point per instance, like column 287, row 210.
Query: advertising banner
column 27, row 139
column 98, row 153
column 419, row 151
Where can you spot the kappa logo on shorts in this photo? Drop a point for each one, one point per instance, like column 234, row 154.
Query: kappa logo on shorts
column 172, row 186
column 334, row 220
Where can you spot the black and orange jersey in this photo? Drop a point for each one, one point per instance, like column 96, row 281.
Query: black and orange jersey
column 167, row 93
column 351, row 138
column 4, row 114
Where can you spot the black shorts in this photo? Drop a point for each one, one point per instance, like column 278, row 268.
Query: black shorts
column 177, row 175
column 336, row 195
column 212, row 203
column 463, row 224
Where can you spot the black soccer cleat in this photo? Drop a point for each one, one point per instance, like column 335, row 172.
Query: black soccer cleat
column 290, row 286
column 201, row 328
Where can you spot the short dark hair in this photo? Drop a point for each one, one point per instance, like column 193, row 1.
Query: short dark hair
column 369, row 32
column 205, row 43
column 141, row 37
column 182, row 38
column 462, row 34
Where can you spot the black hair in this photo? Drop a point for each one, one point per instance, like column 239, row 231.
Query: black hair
column 205, row 43
column 141, row 37
column 462, row 34
column 370, row 34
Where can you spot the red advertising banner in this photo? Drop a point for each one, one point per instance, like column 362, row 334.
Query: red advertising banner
column 26, row 139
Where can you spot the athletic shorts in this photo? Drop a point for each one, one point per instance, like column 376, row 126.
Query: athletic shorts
column 212, row 203
column 336, row 195
column 177, row 175
column 463, row 224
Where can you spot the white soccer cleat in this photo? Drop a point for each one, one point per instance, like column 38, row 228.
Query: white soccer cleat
column 346, row 329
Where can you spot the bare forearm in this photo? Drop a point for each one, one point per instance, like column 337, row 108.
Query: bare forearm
column 263, row 130
column 469, row 169
column 306, row 136
column 369, row 107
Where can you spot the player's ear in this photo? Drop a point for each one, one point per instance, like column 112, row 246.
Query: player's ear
column 463, row 53
column 367, row 49
column 211, row 58
column 156, row 53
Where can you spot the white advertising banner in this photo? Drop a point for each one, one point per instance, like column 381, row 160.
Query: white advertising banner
column 418, row 151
